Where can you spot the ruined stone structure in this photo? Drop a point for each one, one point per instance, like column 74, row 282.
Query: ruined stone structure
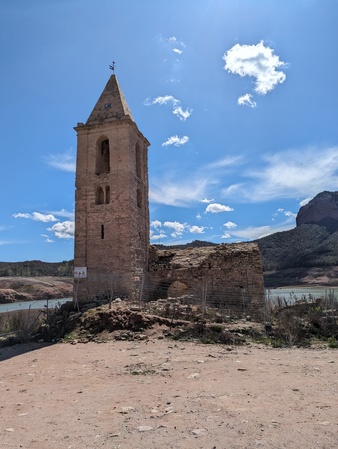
column 111, row 200
column 112, row 225
column 229, row 276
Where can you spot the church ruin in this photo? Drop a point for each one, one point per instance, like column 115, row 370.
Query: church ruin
column 112, row 251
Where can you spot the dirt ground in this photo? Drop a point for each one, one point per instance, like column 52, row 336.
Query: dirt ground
column 160, row 393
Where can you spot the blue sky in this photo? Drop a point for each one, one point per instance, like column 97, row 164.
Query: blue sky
column 237, row 97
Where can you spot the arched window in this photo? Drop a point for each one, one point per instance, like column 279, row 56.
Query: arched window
column 99, row 196
column 138, row 161
column 107, row 194
column 139, row 198
column 103, row 158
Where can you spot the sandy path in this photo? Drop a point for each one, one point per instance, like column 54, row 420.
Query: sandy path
column 164, row 394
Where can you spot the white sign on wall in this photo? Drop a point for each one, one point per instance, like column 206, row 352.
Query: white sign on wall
column 80, row 272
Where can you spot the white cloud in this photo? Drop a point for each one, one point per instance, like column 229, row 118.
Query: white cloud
column 37, row 216
column 48, row 239
column 305, row 201
column 230, row 225
column 253, row 233
column 257, row 61
column 196, row 229
column 176, row 141
column 182, row 115
column 198, row 216
column 216, row 208
column 157, row 236
column 225, row 236
column 63, row 213
column 177, row 110
column 162, row 100
column 156, row 224
column 180, row 192
column 178, row 51
column 174, row 40
column 176, row 226
column 290, row 174
column 225, row 162
column 63, row 230
column 205, row 200
column 246, row 100
column 290, row 214
column 65, row 162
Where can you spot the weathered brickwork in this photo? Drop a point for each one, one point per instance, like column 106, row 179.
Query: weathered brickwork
column 227, row 275
column 112, row 224
column 111, row 212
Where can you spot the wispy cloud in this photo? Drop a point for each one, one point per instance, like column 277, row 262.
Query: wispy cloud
column 305, row 201
column 63, row 161
column 226, row 236
column 216, row 208
column 178, row 51
column 176, row 141
column 63, row 230
column 253, row 233
column 228, row 161
column 177, row 110
column 178, row 192
column 36, row 216
column 47, row 238
column 257, row 61
column 63, row 213
column 290, row 174
column 246, row 100
column 205, row 200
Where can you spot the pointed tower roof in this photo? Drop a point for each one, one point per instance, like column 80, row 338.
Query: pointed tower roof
column 110, row 106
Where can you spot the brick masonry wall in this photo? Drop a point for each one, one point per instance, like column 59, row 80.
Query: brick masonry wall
column 123, row 251
column 230, row 275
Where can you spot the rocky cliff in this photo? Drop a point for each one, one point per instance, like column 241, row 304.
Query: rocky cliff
column 321, row 210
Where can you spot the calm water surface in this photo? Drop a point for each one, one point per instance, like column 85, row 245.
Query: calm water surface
column 25, row 305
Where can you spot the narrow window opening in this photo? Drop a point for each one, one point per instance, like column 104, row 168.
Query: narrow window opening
column 102, row 232
column 99, row 196
column 107, row 194
column 103, row 158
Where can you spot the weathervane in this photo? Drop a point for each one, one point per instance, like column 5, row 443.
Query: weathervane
column 112, row 66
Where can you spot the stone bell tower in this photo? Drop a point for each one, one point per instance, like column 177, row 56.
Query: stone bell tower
column 111, row 200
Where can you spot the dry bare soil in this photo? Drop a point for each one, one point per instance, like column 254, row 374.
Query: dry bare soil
column 34, row 288
column 159, row 393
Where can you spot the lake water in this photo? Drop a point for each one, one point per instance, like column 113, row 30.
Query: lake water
column 291, row 295
column 25, row 305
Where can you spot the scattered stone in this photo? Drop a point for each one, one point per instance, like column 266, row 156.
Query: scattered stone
column 144, row 428
column 199, row 432
column 193, row 376
column 127, row 409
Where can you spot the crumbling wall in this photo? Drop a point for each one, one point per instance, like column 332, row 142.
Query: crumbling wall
column 229, row 276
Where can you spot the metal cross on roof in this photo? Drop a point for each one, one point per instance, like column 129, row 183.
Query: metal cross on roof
column 112, row 66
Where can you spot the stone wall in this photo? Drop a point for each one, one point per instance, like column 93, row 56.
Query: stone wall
column 228, row 275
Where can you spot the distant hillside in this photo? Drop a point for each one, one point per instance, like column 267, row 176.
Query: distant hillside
column 33, row 268
column 313, row 243
column 305, row 246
